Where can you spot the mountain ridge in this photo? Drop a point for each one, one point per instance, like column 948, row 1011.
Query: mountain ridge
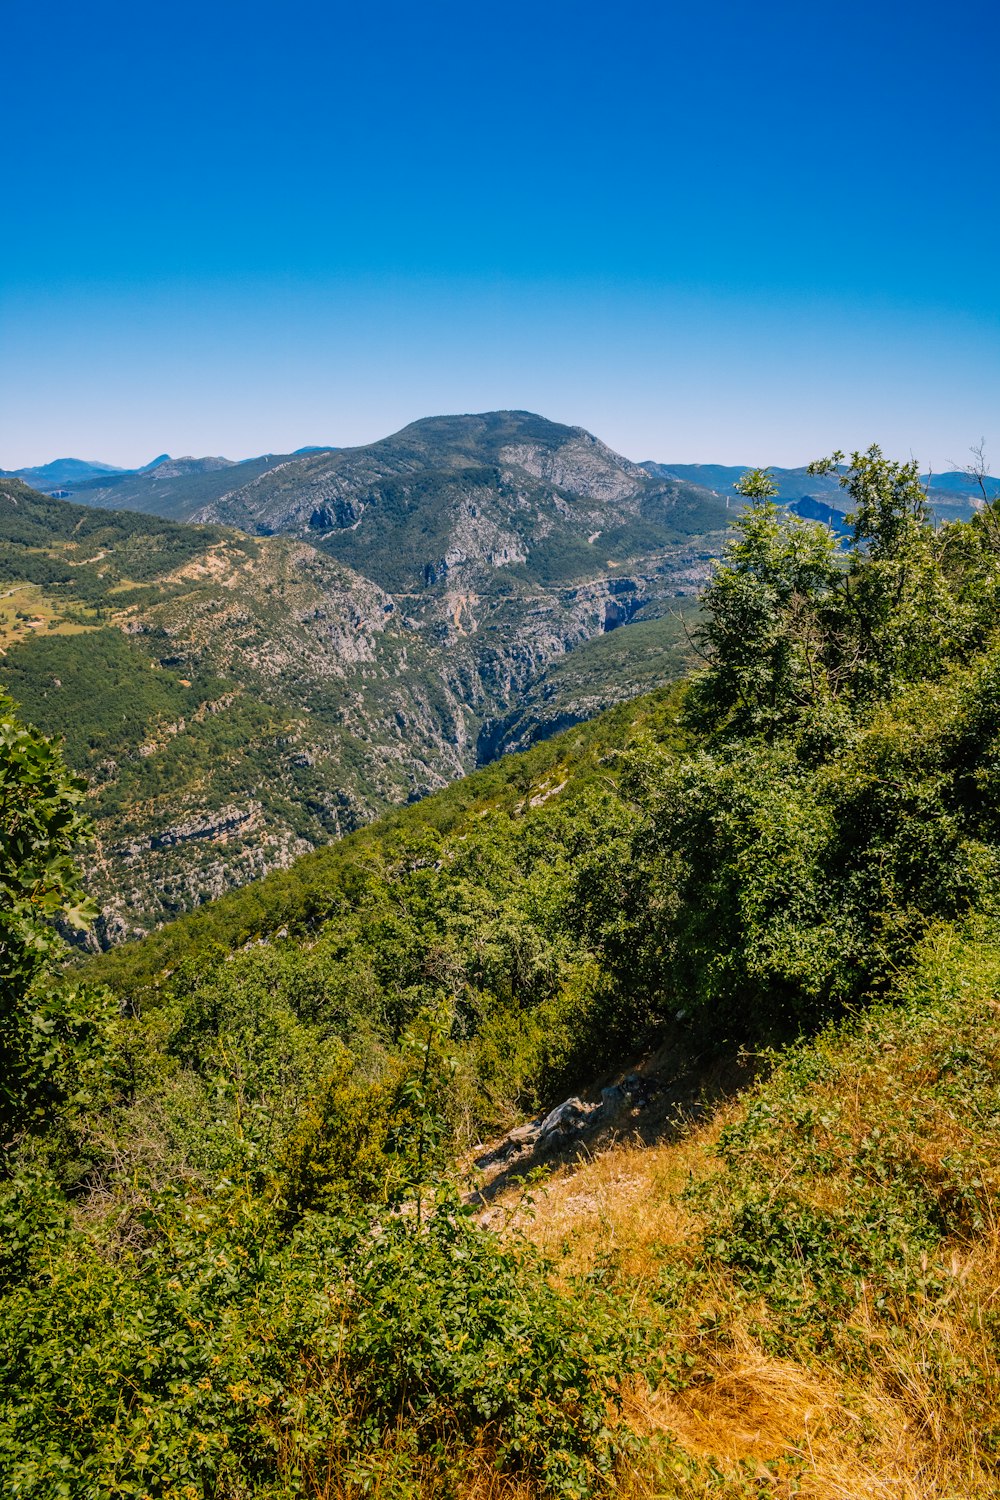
column 319, row 636
column 952, row 494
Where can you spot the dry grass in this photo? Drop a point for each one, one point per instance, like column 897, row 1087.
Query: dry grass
column 893, row 1394
column 41, row 612
column 903, row 1402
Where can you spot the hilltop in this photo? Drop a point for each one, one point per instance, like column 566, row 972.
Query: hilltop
column 448, row 495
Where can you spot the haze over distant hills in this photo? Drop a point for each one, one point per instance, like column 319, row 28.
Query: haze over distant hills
column 169, row 487
column 951, row 494
column 62, row 471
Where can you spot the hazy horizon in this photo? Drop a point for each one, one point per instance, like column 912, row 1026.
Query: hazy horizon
column 957, row 462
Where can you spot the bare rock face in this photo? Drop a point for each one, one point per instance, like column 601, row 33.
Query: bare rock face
column 572, row 1121
column 218, row 826
column 582, row 465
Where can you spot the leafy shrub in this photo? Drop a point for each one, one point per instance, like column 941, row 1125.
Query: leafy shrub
column 222, row 1357
column 50, row 1040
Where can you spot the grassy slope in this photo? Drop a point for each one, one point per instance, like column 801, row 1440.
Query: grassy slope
column 813, row 1259
column 818, row 1257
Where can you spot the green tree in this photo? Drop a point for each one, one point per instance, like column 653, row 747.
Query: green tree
column 799, row 635
column 897, row 619
column 47, row 1032
column 765, row 618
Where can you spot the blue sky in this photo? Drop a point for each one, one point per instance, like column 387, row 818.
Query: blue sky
column 723, row 232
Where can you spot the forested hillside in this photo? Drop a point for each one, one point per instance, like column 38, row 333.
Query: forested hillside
column 245, row 1251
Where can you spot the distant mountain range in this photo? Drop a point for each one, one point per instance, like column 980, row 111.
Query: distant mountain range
column 952, row 494
column 214, row 483
column 147, row 489
column 60, row 472
column 342, row 629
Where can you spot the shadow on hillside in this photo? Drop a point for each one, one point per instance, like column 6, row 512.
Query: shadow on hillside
column 658, row 1100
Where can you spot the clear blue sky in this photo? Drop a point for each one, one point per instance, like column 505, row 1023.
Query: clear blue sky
column 720, row 231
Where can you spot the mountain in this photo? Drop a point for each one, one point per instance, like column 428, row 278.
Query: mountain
column 732, row 990
column 952, row 495
column 327, row 493
column 174, row 488
column 956, row 487
column 341, row 630
column 62, row 472
column 179, row 468
column 237, row 699
column 510, row 537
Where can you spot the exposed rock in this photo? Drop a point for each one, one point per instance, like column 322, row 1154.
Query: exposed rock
column 204, row 826
column 568, row 1121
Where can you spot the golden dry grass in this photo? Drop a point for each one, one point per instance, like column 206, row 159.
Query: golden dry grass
column 895, row 1398
column 40, row 612
column 906, row 1404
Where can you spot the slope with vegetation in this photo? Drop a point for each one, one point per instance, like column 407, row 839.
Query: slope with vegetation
column 236, row 700
column 238, row 1256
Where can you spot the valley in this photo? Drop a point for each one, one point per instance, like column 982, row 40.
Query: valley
column 343, row 633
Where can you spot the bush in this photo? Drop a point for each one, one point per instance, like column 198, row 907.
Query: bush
column 223, row 1357
column 50, row 1039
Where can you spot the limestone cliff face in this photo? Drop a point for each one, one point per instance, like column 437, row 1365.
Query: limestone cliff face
column 581, row 464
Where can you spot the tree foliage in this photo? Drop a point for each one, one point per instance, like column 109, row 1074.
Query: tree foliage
column 47, row 1035
column 802, row 635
